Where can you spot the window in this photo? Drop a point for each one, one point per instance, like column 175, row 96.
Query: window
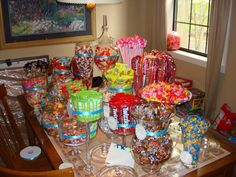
column 191, row 21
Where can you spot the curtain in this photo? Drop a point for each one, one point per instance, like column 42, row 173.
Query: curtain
column 155, row 25
column 217, row 33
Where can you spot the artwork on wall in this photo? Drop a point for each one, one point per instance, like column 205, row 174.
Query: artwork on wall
column 42, row 22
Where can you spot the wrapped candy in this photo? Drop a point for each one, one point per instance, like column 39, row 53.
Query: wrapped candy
column 106, row 57
column 131, row 47
column 153, row 67
column 165, row 93
column 35, row 90
column 173, row 41
column 36, row 68
column 61, row 65
column 193, row 129
column 152, row 145
column 87, row 105
column 82, row 64
column 120, row 105
column 120, row 78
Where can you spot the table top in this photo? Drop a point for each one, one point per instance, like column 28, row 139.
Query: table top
column 212, row 162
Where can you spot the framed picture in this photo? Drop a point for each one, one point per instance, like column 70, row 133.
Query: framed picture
column 27, row 23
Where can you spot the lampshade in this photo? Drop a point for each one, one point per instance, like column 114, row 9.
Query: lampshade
column 89, row 1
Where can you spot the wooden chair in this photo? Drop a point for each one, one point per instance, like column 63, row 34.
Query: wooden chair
column 6, row 172
column 11, row 141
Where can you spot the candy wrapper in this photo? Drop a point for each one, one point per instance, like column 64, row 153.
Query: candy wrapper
column 120, row 105
column 82, row 64
column 131, row 47
column 106, row 57
column 193, row 129
column 36, row 68
column 120, row 78
column 153, row 67
column 35, row 90
column 87, row 105
column 173, row 41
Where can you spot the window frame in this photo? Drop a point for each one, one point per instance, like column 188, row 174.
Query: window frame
column 174, row 27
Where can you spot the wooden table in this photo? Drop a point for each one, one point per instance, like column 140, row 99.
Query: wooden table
column 222, row 167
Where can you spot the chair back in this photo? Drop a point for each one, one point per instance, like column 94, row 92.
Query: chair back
column 6, row 172
column 11, row 139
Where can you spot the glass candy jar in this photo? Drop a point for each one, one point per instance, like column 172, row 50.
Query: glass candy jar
column 151, row 145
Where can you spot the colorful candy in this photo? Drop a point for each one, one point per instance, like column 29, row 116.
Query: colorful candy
column 120, row 105
column 153, row 67
column 120, row 78
column 52, row 114
column 106, row 57
column 73, row 132
column 173, row 41
column 193, row 129
column 87, row 105
column 35, row 90
column 82, row 64
column 165, row 93
column 131, row 47
column 36, row 68
column 152, row 144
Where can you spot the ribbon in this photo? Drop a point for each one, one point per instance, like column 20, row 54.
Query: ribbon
column 84, row 54
column 87, row 113
column 126, row 125
column 46, row 125
column 159, row 133
column 34, row 88
column 77, row 74
column 64, row 59
column 120, row 89
column 62, row 72
column 79, row 136
column 106, row 57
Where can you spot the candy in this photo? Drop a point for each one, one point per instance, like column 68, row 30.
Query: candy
column 153, row 146
column 36, row 68
column 120, row 105
column 106, row 58
column 173, row 41
column 73, row 132
column 61, row 69
column 131, row 47
column 52, row 114
column 193, row 130
column 153, row 111
column 120, row 78
column 87, row 105
column 165, row 93
column 35, row 90
column 153, row 67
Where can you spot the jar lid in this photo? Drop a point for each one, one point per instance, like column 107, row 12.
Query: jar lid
column 30, row 152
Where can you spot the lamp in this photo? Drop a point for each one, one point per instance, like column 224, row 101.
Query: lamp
column 89, row 1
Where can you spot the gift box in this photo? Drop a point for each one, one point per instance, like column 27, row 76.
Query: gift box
column 187, row 83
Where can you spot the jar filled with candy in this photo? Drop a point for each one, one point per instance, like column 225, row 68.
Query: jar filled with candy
column 35, row 90
column 52, row 114
column 151, row 145
column 121, row 121
column 73, row 132
column 82, row 63
column 106, row 52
